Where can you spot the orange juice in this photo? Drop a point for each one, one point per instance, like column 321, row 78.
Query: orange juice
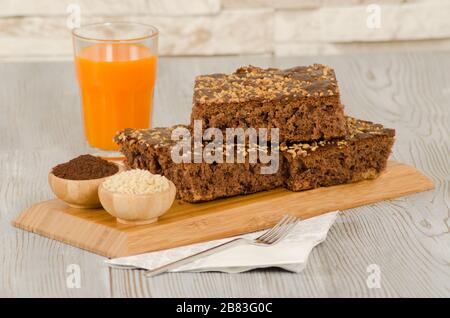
column 116, row 84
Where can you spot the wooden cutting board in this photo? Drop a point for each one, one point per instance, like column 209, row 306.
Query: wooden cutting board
column 97, row 231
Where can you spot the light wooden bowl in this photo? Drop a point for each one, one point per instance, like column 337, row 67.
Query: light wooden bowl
column 81, row 194
column 137, row 209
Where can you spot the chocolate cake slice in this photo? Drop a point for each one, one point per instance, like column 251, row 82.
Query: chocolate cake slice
column 303, row 102
column 361, row 154
column 196, row 182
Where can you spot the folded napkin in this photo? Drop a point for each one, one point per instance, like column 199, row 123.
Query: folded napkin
column 290, row 254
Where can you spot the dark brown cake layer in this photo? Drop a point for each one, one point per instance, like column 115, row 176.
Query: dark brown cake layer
column 196, row 182
column 361, row 154
column 303, row 102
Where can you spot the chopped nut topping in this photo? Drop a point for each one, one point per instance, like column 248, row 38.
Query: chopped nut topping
column 357, row 129
column 251, row 83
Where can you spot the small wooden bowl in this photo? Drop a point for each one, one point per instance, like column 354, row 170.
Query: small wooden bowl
column 137, row 209
column 80, row 194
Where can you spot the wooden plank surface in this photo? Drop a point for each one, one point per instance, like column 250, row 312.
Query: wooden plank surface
column 97, row 231
column 407, row 238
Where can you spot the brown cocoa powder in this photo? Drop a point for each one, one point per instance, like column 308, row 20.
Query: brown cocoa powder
column 85, row 167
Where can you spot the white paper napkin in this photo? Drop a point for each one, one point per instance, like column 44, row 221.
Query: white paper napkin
column 290, row 254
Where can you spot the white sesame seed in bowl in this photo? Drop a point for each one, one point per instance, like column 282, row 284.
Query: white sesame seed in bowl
column 136, row 182
column 137, row 197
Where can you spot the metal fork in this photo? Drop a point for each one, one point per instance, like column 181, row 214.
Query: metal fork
column 270, row 237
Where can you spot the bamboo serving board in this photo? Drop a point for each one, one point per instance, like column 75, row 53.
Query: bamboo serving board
column 97, row 231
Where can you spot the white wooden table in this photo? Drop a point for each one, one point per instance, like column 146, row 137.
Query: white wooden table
column 408, row 239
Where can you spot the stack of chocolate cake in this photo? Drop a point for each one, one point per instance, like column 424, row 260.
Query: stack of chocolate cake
column 317, row 144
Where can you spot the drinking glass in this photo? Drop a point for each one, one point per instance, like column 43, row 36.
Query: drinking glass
column 116, row 69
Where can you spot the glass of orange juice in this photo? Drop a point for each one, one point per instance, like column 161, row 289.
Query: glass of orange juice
column 116, row 69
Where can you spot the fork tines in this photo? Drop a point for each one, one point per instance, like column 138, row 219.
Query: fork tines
column 280, row 230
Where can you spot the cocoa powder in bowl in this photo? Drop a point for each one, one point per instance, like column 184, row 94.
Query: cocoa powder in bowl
column 85, row 167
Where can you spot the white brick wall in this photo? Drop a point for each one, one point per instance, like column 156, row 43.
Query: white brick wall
column 37, row 28
column 110, row 7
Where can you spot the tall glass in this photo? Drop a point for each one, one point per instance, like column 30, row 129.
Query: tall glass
column 116, row 68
